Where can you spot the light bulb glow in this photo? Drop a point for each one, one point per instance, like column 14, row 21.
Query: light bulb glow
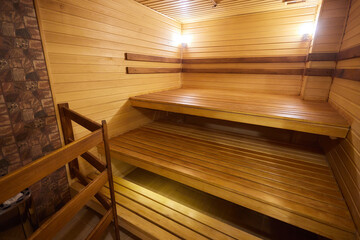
column 181, row 39
column 306, row 29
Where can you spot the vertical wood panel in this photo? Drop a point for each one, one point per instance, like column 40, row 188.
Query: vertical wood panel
column 345, row 96
column 327, row 39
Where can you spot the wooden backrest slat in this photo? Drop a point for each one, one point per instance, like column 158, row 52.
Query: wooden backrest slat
column 99, row 229
column 49, row 229
column 148, row 58
column 140, row 70
column 82, row 120
column 24, row 177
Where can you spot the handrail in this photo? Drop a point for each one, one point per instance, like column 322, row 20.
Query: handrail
column 26, row 176
column 49, row 229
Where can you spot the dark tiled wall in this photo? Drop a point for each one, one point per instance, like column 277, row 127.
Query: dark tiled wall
column 28, row 128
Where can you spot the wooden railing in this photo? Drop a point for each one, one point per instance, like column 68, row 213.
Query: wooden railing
column 26, row 176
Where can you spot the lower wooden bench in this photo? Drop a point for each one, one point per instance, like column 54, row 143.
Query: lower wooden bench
column 157, row 217
column 282, row 181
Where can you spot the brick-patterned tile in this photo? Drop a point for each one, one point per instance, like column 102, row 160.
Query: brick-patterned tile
column 30, row 22
column 8, row 29
column 47, row 102
column 5, row 130
column 18, row 74
column 8, row 150
column 27, row 115
column 4, row 119
column 28, row 127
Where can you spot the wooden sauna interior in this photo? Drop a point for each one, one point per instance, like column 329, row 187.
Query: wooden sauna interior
column 227, row 119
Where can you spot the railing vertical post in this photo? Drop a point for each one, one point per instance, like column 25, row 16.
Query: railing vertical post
column 111, row 184
column 68, row 133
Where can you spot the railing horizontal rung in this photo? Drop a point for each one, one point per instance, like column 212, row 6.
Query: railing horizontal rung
column 26, row 176
column 99, row 229
column 49, row 229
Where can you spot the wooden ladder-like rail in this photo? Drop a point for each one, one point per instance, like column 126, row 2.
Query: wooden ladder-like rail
column 26, row 176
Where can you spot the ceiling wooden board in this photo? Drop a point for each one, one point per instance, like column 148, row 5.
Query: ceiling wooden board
column 199, row 10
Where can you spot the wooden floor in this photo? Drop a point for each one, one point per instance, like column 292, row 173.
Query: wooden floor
column 290, row 184
column 279, row 111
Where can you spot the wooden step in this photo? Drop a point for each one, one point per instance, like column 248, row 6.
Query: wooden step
column 162, row 218
column 278, row 111
column 292, row 184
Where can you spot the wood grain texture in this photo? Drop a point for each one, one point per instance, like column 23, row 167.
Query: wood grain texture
column 246, row 60
column 85, row 42
column 200, row 10
column 349, row 53
column 133, row 70
column 177, row 219
column 16, row 181
column 99, row 229
column 285, row 112
column 229, row 170
column 351, row 74
column 322, row 57
column 267, row 40
column 148, row 58
column 50, row 227
column 344, row 155
column 246, row 71
column 327, row 40
column 319, row 72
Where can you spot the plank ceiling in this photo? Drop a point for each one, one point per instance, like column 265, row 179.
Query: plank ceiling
column 187, row 11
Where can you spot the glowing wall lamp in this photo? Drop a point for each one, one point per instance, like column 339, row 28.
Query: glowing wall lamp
column 185, row 40
column 306, row 30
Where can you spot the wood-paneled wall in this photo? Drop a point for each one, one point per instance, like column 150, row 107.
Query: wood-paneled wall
column 344, row 156
column 273, row 33
column 85, row 42
column 327, row 39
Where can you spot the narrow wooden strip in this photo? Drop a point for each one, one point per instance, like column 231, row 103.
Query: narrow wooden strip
column 68, row 133
column 349, row 53
column 134, row 70
column 101, row 198
column 351, row 74
column 290, row 59
column 192, row 219
column 309, row 155
column 82, row 120
column 26, row 176
column 230, row 195
column 110, row 176
column 99, row 229
column 279, row 188
column 246, row 71
column 290, row 124
column 94, row 161
column 49, row 229
column 157, row 218
column 213, row 223
column 148, row 58
column 322, row 56
column 319, row 72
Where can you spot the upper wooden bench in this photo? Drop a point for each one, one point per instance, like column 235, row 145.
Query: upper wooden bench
column 279, row 111
column 285, row 182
